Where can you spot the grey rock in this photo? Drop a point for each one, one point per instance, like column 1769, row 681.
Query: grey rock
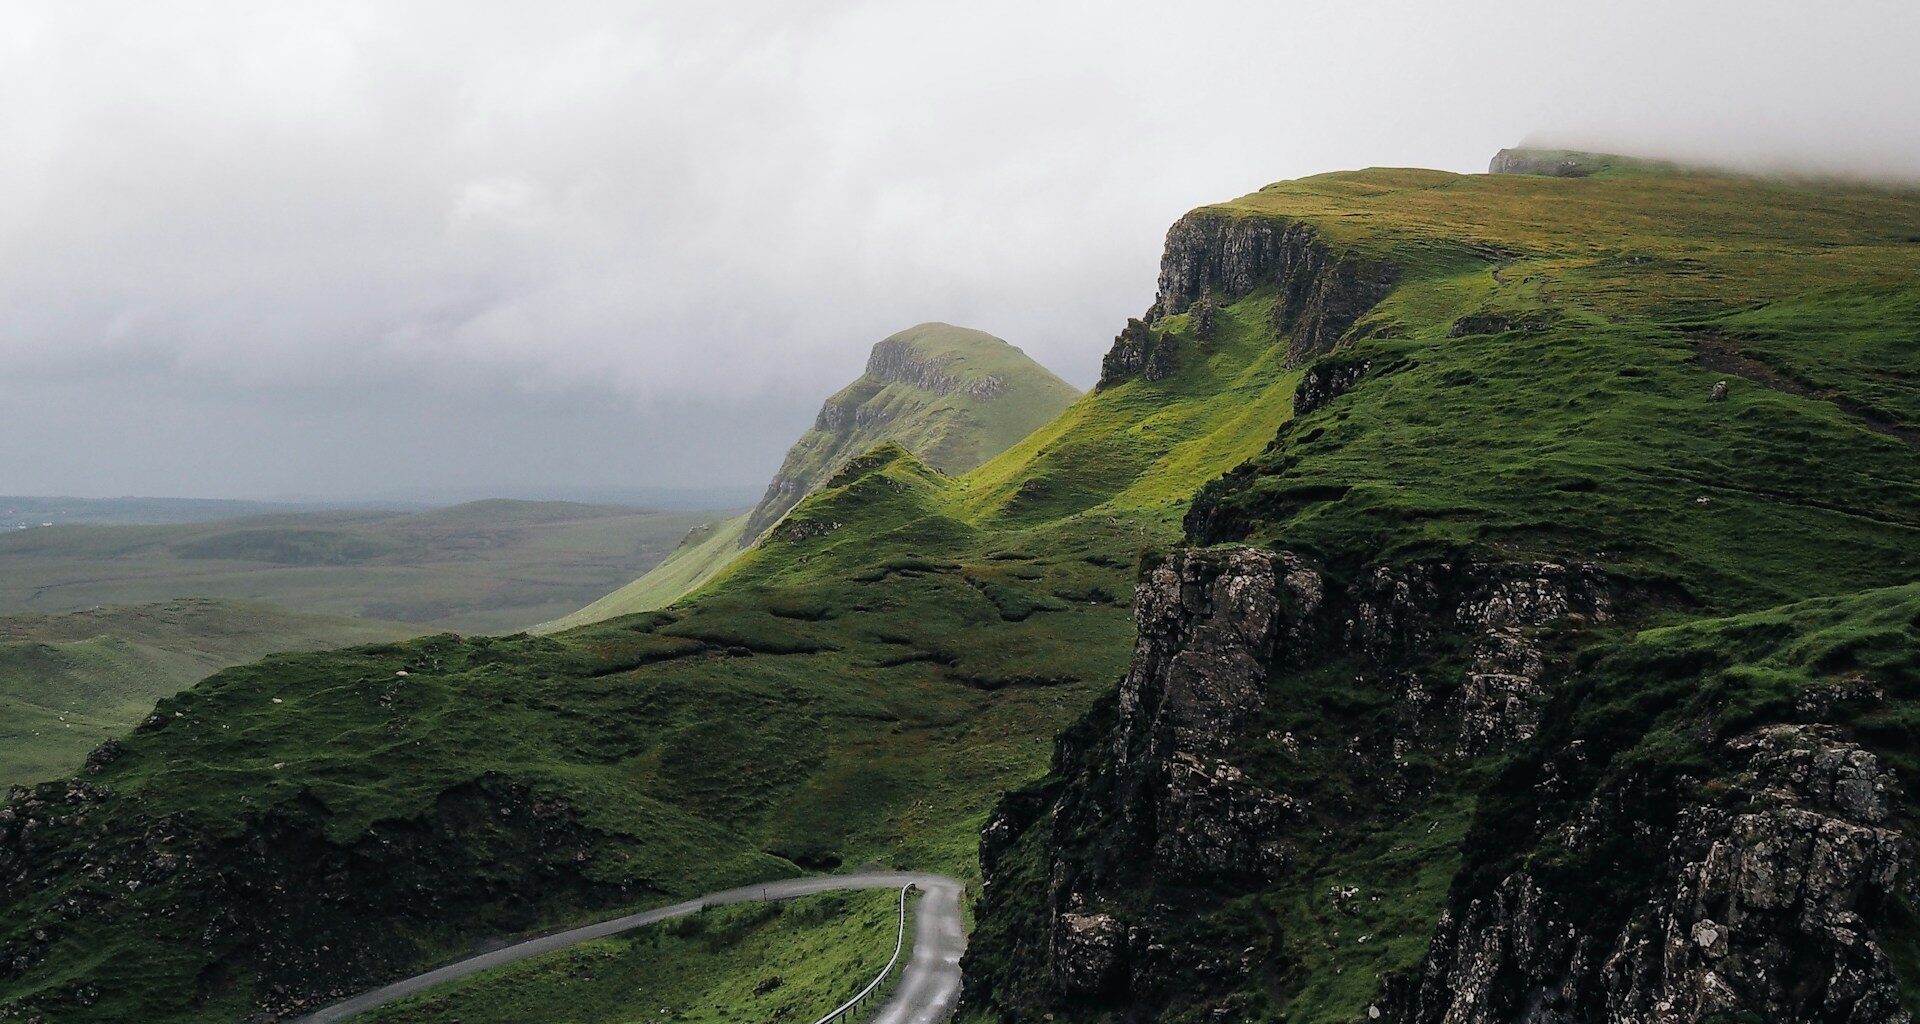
column 1221, row 257
column 1325, row 381
column 1139, row 353
column 1772, row 903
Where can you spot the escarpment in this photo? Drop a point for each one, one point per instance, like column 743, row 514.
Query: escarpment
column 1399, row 739
column 1216, row 257
column 1198, row 791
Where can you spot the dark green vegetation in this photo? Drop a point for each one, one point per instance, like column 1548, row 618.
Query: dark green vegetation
column 70, row 681
column 759, row 962
column 952, row 396
column 480, row 567
column 902, row 648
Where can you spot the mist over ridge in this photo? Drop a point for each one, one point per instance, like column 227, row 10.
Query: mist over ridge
column 350, row 249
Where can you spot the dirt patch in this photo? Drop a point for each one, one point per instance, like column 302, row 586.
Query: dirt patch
column 1721, row 354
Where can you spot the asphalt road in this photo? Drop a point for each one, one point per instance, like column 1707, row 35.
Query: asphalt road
column 926, row 993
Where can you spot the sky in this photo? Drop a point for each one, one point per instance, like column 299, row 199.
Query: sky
column 342, row 250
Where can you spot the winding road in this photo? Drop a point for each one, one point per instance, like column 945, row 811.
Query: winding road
column 925, row 994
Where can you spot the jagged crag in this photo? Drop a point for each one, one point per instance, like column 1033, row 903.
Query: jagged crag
column 1427, row 630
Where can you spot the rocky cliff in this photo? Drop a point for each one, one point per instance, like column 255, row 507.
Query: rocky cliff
column 952, row 396
column 1199, row 791
column 1218, row 257
column 1768, row 894
column 1768, row 881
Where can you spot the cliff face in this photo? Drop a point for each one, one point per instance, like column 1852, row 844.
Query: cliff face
column 1217, row 257
column 952, row 396
column 1772, row 899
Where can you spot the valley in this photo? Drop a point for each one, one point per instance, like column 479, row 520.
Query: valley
column 490, row 566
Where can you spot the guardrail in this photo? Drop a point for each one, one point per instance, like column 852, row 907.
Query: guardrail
column 840, row 1012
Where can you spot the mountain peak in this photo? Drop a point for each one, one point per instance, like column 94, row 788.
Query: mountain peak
column 953, row 396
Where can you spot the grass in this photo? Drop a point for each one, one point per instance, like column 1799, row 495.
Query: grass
column 951, row 425
column 701, row 556
column 1597, row 439
column 1535, row 390
column 781, row 961
column 861, row 693
column 69, row 682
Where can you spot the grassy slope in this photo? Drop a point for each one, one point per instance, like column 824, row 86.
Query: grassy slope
column 1596, row 438
column 483, row 566
column 952, row 432
column 860, row 694
column 70, row 681
column 699, row 558
column 792, row 961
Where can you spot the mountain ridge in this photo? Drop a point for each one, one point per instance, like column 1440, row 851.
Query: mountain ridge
column 1359, row 592
column 952, row 395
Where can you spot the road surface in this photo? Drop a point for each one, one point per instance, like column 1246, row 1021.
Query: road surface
column 925, row 994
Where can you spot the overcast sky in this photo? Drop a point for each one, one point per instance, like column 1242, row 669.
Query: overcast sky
column 340, row 249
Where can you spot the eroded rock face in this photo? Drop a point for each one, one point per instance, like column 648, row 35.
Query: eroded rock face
column 1325, row 381
column 1171, row 803
column 1139, row 353
column 898, row 362
column 1552, row 163
column 1214, row 258
column 1087, row 953
column 1771, row 904
column 1322, row 293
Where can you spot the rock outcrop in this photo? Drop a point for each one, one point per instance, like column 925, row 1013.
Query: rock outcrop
column 1177, row 792
column 1325, row 381
column 1548, row 162
column 1213, row 254
column 1773, row 903
column 1139, row 353
column 897, row 360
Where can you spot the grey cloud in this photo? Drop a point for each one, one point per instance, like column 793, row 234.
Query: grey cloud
column 342, row 247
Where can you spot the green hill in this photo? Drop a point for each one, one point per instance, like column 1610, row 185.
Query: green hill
column 955, row 397
column 71, row 681
column 1432, row 620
